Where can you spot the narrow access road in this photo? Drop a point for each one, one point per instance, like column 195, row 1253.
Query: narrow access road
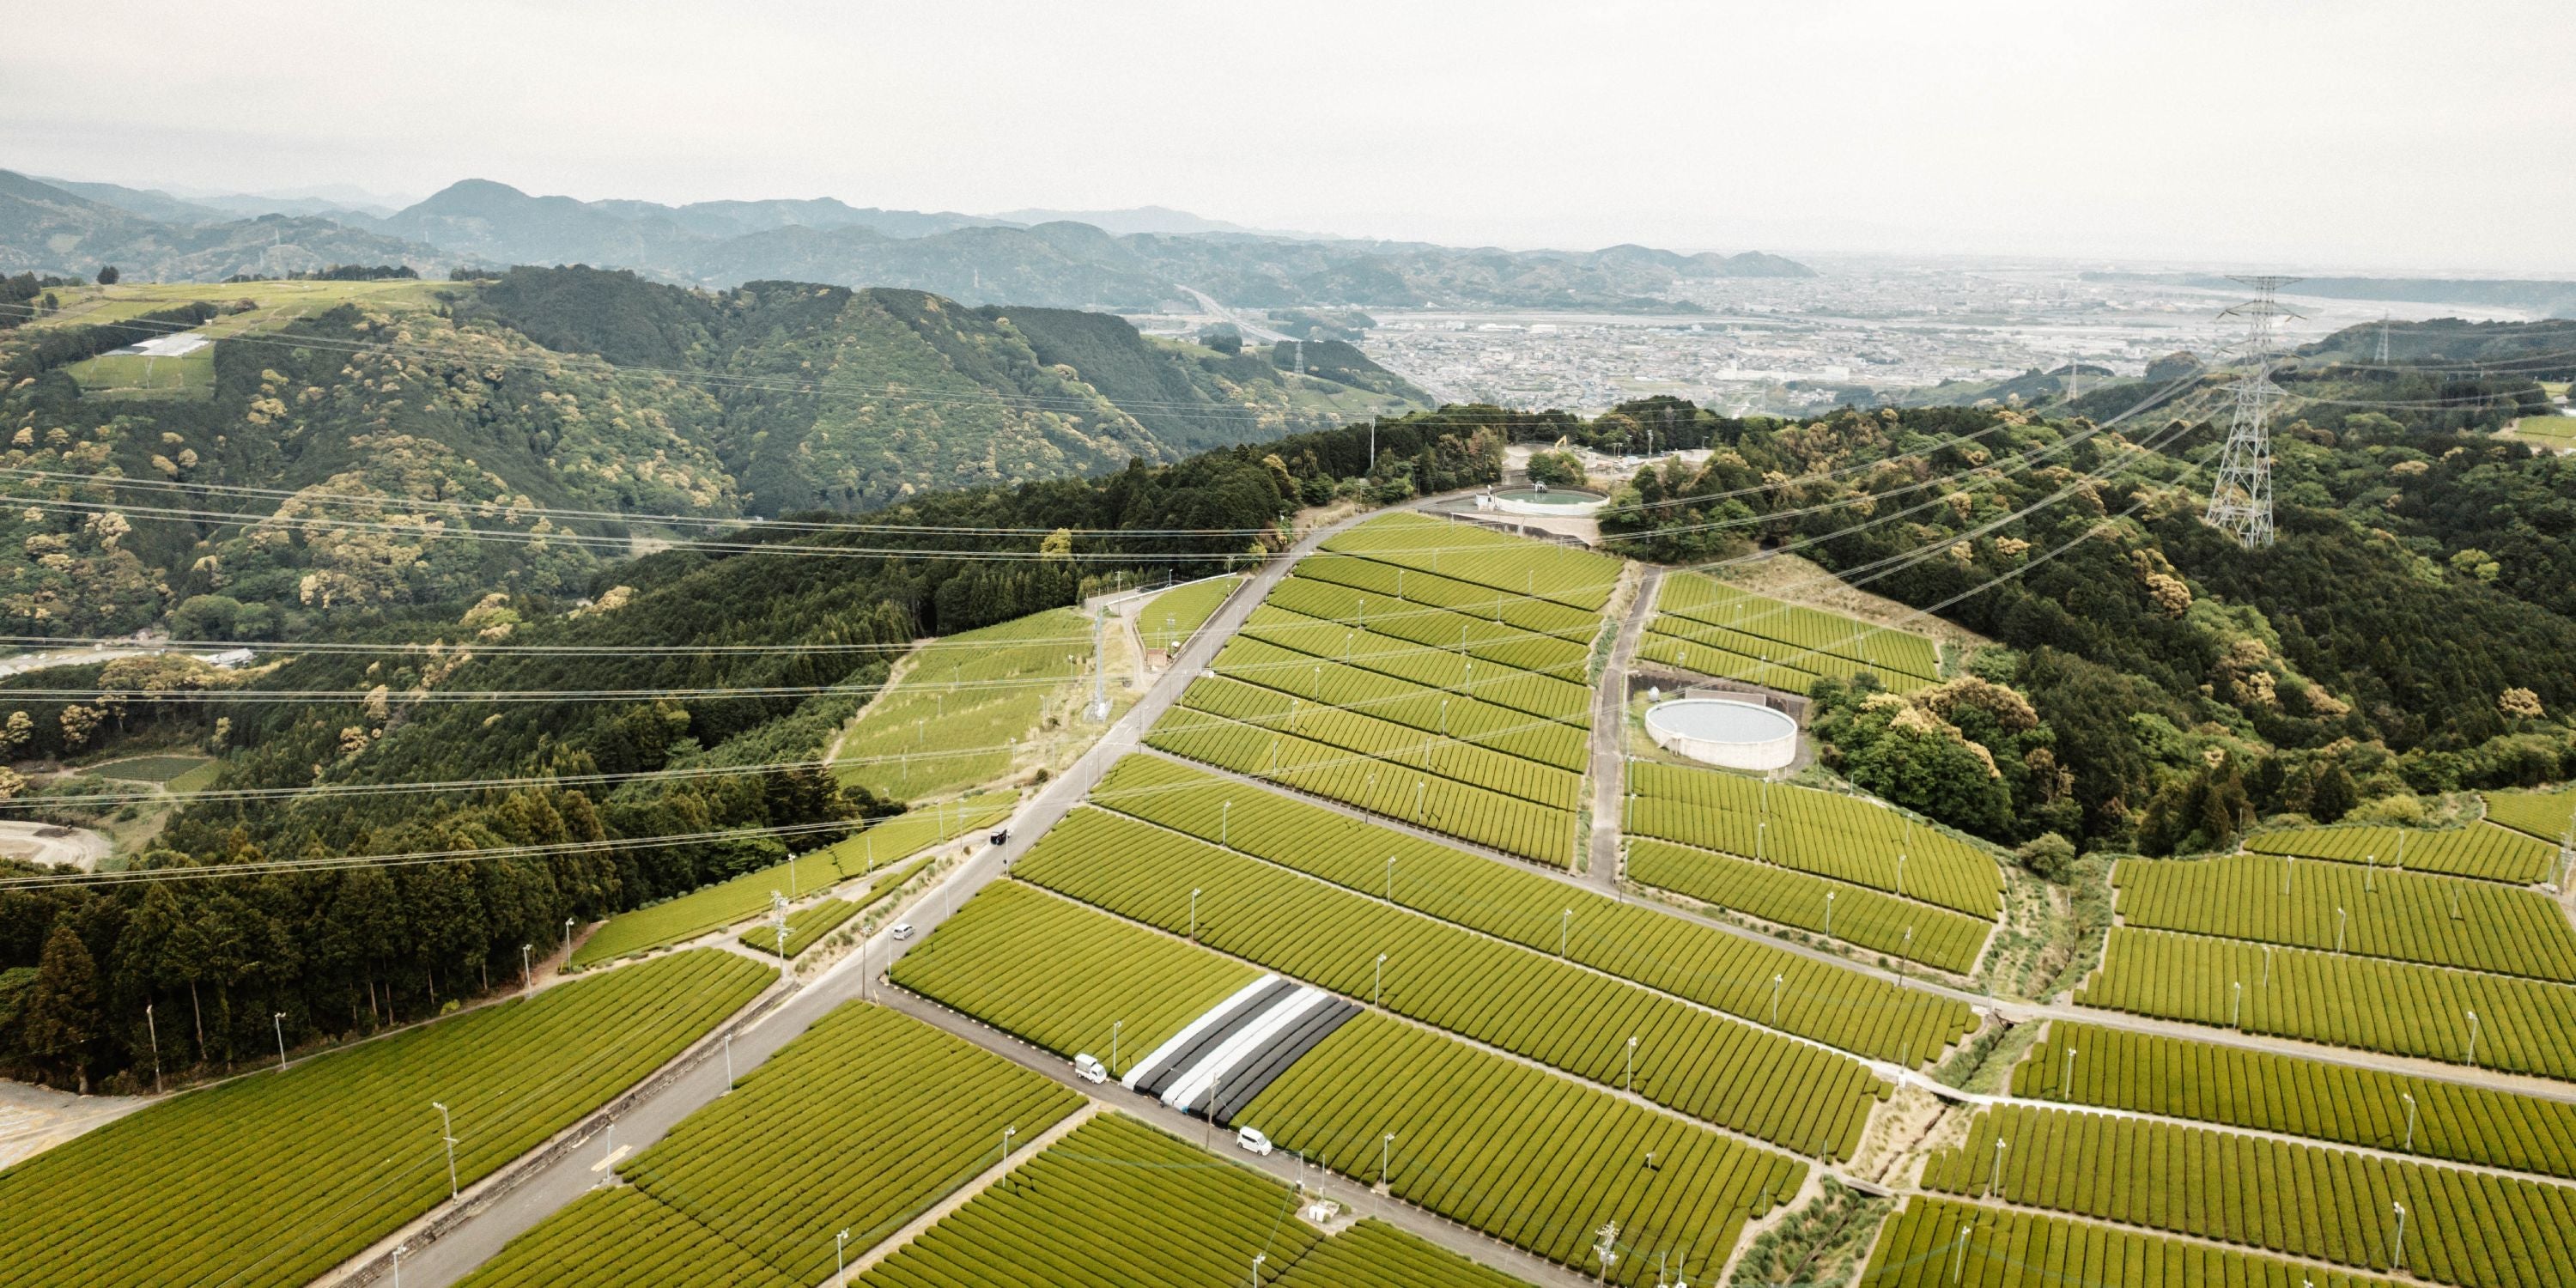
column 1610, row 734
column 484, row 1232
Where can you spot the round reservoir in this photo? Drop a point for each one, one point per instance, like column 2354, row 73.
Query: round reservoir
column 1717, row 731
column 1540, row 501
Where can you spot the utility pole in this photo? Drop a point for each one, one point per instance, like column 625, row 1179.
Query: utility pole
column 447, row 1137
column 1372, row 465
column 2241, row 503
column 527, row 977
column 155, row 1030
column 1099, row 666
column 278, row 1022
column 1606, row 1252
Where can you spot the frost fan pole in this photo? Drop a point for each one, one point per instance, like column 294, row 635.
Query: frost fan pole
column 1099, row 666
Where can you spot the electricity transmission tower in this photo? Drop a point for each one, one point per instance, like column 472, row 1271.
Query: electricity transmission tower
column 2242, row 502
column 2383, row 339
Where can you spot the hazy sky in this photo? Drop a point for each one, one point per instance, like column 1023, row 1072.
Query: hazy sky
column 2354, row 134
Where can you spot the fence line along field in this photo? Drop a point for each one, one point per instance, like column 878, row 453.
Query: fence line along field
column 1520, row 565
column 862, row 1123
column 2462, row 1227
column 2339, row 907
column 951, row 720
column 1827, row 834
column 1113, row 1203
column 2400, row 1008
column 1704, row 625
column 1940, row 1243
column 1714, row 1068
column 2152, row 1073
column 2481, row 850
column 1170, row 619
column 1526, row 1156
column 1857, row 915
column 1478, row 814
column 1066, row 977
column 2546, row 815
column 872, row 849
column 272, row 1178
column 1701, row 963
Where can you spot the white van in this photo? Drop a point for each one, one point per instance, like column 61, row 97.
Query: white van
column 1252, row 1141
column 1088, row 1067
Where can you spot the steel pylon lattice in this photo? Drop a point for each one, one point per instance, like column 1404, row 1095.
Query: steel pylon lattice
column 2241, row 503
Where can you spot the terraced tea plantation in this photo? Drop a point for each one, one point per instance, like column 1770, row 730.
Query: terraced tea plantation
column 1536, row 675
column 2265, row 1091
column 862, row 1123
column 1936, row 1243
column 1373, row 1254
column 1469, row 811
column 2545, row 815
column 1322, row 687
column 2395, row 1007
column 962, row 703
column 1474, row 1118
column 1168, row 620
column 1422, row 710
column 1855, row 914
column 1532, row 1159
column 1826, row 834
column 1525, row 1002
column 1389, row 624
column 2481, row 850
column 1098, row 985
column 1704, row 625
column 1702, row 964
column 1517, row 565
column 2338, row 907
column 2462, row 1227
column 1114, row 1203
column 747, row 896
column 272, row 1178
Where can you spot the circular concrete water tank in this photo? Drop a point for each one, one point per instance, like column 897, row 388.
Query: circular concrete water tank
column 1718, row 731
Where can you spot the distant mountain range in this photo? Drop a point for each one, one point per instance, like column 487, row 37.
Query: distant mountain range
column 48, row 229
column 1127, row 259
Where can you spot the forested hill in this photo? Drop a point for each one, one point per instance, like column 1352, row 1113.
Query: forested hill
column 568, row 388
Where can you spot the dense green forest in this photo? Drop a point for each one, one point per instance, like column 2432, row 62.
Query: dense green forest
column 2154, row 687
